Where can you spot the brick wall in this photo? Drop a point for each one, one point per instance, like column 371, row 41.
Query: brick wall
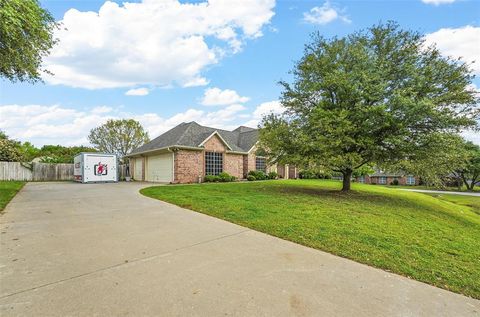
column 251, row 162
column 233, row 164
column 281, row 170
column 188, row 166
column 401, row 180
column 214, row 144
column 245, row 165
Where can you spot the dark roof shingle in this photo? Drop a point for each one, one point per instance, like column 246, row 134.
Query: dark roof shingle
column 192, row 134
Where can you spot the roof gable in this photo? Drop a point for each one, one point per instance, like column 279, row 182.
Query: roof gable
column 215, row 133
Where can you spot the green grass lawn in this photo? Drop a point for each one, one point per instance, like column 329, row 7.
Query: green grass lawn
column 8, row 190
column 469, row 201
column 431, row 239
column 450, row 189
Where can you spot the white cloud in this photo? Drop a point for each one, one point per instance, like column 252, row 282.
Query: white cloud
column 152, row 42
column 324, row 14
column 58, row 125
column 137, row 92
column 458, row 42
column 438, row 2
column 264, row 109
column 102, row 109
column 218, row 97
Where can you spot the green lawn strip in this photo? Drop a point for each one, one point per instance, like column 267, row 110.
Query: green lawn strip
column 449, row 189
column 8, row 190
column 472, row 202
column 416, row 235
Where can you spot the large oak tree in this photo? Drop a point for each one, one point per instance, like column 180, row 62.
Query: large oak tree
column 373, row 97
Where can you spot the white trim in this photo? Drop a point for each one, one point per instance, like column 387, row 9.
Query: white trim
column 168, row 148
column 173, row 167
column 253, row 146
column 220, row 137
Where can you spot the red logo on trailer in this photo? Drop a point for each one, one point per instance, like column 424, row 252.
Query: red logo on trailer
column 100, row 169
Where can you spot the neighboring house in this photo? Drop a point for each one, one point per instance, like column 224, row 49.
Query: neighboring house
column 189, row 151
column 386, row 178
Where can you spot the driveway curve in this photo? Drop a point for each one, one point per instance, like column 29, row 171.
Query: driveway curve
column 71, row 249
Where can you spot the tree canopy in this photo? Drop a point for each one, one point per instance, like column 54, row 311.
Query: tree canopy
column 373, row 97
column 9, row 149
column 26, row 36
column 470, row 171
column 118, row 136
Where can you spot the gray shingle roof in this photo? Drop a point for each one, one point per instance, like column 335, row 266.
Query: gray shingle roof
column 192, row 134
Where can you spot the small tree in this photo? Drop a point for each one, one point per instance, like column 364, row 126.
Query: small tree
column 118, row 136
column 373, row 97
column 26, row 36
column 28, row 151
column 470, row 173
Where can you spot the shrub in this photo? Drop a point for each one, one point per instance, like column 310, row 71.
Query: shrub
column 259, row 175
column 225, row 177
column 307, row 174
column 211, row 178
column 251, row 178
column 394, row 182
column 313, row 174
column 272, row 175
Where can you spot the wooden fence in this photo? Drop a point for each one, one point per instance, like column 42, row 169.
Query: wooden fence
column 17, row 171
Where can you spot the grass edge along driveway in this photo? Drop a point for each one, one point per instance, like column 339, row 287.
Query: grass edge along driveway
column 8, row 190
column 412, row 234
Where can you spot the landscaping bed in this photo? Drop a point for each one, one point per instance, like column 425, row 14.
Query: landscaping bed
column 430, row 239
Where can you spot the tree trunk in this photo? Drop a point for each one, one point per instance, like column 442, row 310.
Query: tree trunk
column 465, row 181
column 347, row 179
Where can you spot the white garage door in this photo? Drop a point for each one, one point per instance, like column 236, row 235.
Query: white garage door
column 138, row 169
column 160, row 168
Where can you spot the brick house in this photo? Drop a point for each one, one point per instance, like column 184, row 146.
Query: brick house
column 386, row 178
column 189, row 151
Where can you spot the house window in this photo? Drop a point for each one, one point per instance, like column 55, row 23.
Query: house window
column 213, row 163
column 261, row 164
column 382, row 180
column 361, row 179
column 410, row 180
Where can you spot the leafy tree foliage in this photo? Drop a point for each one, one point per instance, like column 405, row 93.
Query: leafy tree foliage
column 470, row 172
column 61, row 154
column 26, row 36
column 118, row 136
column 435, row 162
column 15, row 151
column 374, row 97
column 28, row 151
column 9, row 149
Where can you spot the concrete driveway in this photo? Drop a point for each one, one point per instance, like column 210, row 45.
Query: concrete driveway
column 71, row 249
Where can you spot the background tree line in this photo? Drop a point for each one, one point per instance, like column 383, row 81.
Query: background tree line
column 16, row 151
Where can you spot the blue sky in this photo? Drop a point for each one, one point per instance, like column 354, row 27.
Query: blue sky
column 164, row 62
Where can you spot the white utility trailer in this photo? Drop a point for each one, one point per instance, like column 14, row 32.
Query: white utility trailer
column 95, row 168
